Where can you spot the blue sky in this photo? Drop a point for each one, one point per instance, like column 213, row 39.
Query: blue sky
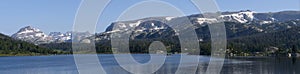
column 58, row 15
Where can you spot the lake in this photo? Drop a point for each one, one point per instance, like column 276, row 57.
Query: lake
column 65, row 64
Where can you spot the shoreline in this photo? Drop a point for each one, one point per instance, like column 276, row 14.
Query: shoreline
column 24, row 55
column 10, row 55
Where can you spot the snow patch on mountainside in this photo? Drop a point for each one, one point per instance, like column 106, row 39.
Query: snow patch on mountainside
column 206, row 20
column 242, row 17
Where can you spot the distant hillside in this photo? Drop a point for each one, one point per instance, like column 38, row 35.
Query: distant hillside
column 283, row 40
column 11, row 47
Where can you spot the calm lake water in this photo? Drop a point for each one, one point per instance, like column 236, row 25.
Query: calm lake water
column 64, row 64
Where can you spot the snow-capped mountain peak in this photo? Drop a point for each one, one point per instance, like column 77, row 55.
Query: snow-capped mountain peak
column 31, row 34
column 28, row 29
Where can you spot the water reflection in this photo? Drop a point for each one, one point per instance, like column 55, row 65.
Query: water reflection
column 265, row 65
column 294, row 59
column 65, row 65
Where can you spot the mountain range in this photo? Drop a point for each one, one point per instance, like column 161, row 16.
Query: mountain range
column 239, row 25
column 250, row 22
column 36, row 36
